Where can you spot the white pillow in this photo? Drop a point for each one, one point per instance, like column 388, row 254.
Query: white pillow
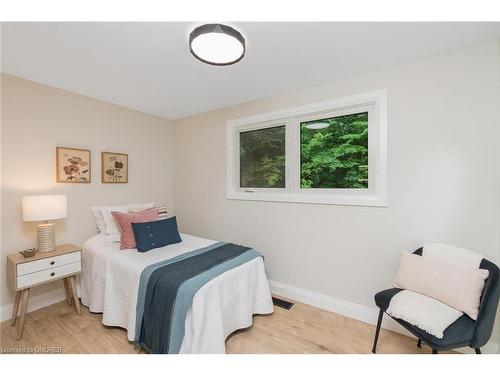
column 426, row 313
column 99, row 220
column 108, row 224
column 452, row 254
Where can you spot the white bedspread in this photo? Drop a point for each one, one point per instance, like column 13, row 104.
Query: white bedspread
column 110, row 281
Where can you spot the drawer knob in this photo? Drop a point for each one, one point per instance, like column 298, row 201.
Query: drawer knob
column 52, row 263
column 52, row 274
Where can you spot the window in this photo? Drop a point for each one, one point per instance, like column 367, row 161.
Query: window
column 331, row 152
column 334, row 152
column 262, row 158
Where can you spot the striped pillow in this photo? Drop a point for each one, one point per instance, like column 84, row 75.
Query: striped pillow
column 162, row 211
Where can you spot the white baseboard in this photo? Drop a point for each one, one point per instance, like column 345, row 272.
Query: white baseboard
column 352, row 310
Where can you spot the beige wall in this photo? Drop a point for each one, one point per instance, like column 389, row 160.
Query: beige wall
column 37, row 118
column 443, row 184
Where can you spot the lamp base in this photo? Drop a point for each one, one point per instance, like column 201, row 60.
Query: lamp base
column 46, row 237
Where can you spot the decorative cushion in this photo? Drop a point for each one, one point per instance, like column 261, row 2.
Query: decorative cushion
column 459, row 333
column 162, row 211
column 125, row 221
column 156, row 234
column 452, row 254
column 111, row 228
column 99, row 220
column 457, row 286
column 424, row 312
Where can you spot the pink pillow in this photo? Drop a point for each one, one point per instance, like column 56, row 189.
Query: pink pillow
column 457, row 286
column 125, row 221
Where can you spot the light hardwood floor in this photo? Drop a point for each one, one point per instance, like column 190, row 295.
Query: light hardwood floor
column 303, row 329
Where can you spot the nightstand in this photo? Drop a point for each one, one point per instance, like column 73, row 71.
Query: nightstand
column 65, row 262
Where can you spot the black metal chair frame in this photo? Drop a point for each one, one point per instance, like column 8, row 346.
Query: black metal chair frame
column 483, row 326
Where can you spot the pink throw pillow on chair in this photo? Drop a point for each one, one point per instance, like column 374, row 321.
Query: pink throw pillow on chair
column 125, row 221
column 457, row 286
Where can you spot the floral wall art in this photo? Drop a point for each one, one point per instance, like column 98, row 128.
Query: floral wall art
column 73, row 165
column 114, row 167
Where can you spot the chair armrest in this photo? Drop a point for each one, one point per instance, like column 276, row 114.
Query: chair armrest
column 488, row 306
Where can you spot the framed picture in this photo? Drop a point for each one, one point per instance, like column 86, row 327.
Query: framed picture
column 114, row 168
column 73, row 165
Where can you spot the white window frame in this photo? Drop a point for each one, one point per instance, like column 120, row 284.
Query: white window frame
column 375, row 103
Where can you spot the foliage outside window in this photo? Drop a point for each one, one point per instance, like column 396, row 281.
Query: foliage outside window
column 334, row 152
column 262, row 158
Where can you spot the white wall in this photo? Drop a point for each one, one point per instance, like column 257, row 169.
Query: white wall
column 443, row 184
column 37, row 118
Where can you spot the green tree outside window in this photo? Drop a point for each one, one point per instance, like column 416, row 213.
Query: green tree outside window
column 336, row 155
column 262, row 158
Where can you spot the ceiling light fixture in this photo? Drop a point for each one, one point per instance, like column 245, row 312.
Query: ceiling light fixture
column 217, row 44
column 317, row 125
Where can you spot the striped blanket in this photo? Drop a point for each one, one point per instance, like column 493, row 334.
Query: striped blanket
column 167, row 289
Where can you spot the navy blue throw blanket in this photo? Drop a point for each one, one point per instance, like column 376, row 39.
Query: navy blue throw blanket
column 162, row 288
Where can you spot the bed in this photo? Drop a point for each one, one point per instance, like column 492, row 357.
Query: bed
column 110, row 284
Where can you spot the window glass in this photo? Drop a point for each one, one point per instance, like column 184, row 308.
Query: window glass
column 262, row 158
column 334, row 152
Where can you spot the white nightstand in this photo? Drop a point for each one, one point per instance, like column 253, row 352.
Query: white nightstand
column 23, row 273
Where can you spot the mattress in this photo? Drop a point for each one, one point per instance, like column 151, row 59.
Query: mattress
column 110, row 281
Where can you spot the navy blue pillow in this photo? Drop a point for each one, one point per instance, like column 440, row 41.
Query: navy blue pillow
column 156, row 233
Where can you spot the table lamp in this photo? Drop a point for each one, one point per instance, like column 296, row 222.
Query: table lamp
column 44, row 208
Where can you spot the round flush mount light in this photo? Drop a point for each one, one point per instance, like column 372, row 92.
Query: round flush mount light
column 217, row 44
column 317, row 125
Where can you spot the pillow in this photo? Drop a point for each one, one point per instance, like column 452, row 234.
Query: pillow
column 457, row 286
column 452, row 254
column 156, row 234
column 426, row 313
column 162, row 211
column 99, row 220
column 112, row 230
column 125, row 220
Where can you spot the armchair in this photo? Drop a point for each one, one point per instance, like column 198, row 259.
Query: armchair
column 464, row 331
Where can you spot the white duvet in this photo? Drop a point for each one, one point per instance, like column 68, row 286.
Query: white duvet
column 110, row 280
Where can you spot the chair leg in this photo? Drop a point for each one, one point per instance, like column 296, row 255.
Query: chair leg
column 478, row 350
column 379, row 323
column 434, row 351
column 419, row 343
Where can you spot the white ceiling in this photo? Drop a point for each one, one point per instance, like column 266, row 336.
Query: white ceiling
column 148, row 66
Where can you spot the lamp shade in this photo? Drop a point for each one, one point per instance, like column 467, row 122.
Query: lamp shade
column 44, row 207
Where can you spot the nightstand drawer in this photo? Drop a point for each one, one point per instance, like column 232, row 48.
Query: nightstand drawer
column 54, row 273
column 47, row 263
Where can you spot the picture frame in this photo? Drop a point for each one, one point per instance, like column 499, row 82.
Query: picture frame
column 73, row 165
column 114, row 168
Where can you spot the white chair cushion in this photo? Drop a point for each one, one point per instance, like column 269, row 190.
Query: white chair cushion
column 452, row 255
column 424, row 312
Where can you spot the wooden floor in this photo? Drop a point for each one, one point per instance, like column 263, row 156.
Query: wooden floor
column 303, row 329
